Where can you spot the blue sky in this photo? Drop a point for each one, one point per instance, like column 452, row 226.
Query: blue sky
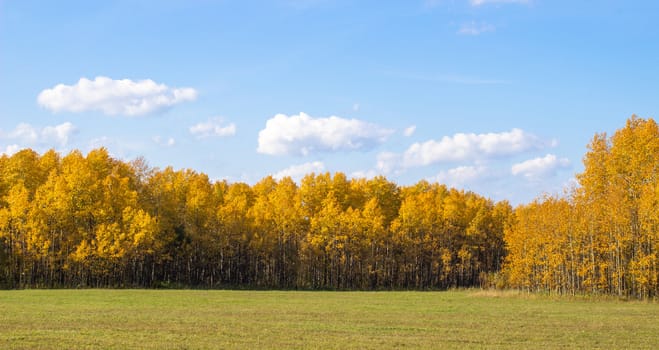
column 496, row 96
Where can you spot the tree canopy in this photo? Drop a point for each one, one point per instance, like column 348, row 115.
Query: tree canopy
column 92, row 220
column 96, row 221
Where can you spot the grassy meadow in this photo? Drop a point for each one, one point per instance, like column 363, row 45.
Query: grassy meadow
column 197, row 319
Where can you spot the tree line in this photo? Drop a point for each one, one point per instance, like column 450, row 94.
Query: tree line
column 603, row 236
column 96, row 221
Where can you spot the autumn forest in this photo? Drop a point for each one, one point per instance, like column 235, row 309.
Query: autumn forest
column 91, row 220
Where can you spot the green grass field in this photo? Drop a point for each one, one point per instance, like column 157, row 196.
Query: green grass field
column 186, row 319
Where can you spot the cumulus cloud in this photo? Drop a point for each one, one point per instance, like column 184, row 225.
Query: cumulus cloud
column 387, row 162
column 29, row 136
column 25, row 135
column 59, row 134
column 473, row 28
column 461, row 147
column 303, row 135
column 112, row 97
column 24, row 132
column 297, row 172
column 409, row 131
column 213, row 127
column 539, row 167
column 461, row 175
column 485, row 2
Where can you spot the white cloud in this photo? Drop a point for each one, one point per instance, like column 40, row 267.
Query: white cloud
column 538, row 167
column 102, row 141
column 554, row 143
column 409, row 131
column 49, row 136
column 473, row 28
column 112, row 97
column 213, row 127
column 162, row 142
column 387, row 162
column 24, row 132
column 59, row 133
column 461, row 175
column 361, row 174
column 461, row 147
column 297, row 172
column 125, row 149
column 485, row 2
column 10, row 150
column 303, row 135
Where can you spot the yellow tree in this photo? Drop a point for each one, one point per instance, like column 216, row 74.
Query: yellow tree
column 603, row 238
column 235, row 234
column 375, row 244
column 264, row 240
column 618, row 174
column 419, row 234
column 289, row 225
column 647, row 265
column 387, row 195
column 523, row 248
column 199, row 223
column 24, row 167
column 634, row 169
column 592, row 197
column 313, row 190
column 326, row 239
column 14, row 229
